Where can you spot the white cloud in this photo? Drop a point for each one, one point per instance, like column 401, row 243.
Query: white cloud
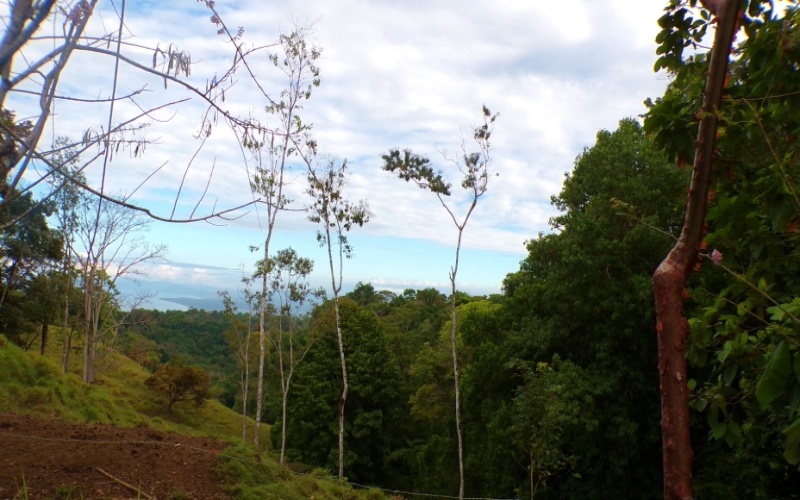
column 410, row 74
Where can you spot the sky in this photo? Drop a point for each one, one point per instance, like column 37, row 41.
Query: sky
column 393, row 75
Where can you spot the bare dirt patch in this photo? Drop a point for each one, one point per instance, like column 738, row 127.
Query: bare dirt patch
column 62, row 460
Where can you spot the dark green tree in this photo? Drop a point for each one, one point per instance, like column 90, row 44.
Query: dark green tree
column 410, row 320
column 583, row 294
column 552, row 406
column 28, row 251
column 373, row 410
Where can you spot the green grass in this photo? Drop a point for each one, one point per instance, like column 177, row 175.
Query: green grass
column 34, row 385
column 258, row 477
column 31, row 384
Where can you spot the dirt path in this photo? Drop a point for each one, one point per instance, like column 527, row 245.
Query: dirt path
column 60, row 460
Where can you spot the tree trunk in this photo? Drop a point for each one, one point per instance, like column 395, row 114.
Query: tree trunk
column 454, row 353
column 94, row 334
column 343, row 398
column 284, row 398
column 86, row 341
column 88, row 279
column 92, row 358
column 669, row 279
column 262, row 320
column 245, row 384
column 260, row 382
column 44, row 337
column 67, row 349
column 66, row 334
column 262, row 325
column 457, row 395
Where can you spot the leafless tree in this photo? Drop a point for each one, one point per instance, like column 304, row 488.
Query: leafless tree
column 38, row 47
column 111, row 245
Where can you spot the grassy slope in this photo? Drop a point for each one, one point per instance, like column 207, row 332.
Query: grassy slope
column 32, row 384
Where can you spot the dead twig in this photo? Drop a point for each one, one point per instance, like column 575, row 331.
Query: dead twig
column 138, row 491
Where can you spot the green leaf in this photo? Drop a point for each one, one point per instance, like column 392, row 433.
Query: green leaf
column 701, row 404
column 775, row 377
column 729, row 374
column 719, row 429
column 776, row 313
column 796, row 363
column 794, row 399
column 734, row 434
column 792, row 451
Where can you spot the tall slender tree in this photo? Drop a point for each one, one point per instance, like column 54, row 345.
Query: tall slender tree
column 111, row 246
column 240, row 337
column 475, row 170
column 291, row 290
column 336, row 215
column 67, row 201
column 272, row 153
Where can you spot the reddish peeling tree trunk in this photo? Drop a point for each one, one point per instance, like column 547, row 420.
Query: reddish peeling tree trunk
column 669, row 280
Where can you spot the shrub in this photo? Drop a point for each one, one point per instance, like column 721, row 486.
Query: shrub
column 180, row 383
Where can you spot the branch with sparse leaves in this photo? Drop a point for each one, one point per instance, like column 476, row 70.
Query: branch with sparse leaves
column 170, row 64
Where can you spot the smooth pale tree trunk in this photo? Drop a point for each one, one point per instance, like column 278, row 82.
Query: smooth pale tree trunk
column 262, row 320
column 245, row 386
column 66, row 334
column 343, row 398
column 669, row 279
column 261, row 355
column 66, row 331
column 454, row 355
column 284, row 386
column 283, row 425
column 66, row 353
column 286, row 380
column 94, row 332
column 285, row 398
column 86, row 332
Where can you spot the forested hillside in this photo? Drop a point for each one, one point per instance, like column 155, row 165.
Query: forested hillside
column 585, row 378
column 559, row 381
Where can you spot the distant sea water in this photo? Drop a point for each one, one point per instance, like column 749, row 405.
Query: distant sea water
column 174, row 296
column 164, row 305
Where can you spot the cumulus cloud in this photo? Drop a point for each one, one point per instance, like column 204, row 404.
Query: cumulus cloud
column 394, row 75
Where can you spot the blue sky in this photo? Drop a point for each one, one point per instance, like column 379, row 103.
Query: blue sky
column 394, row 75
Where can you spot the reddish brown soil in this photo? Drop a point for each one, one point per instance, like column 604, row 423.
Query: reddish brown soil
column 61, row 460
